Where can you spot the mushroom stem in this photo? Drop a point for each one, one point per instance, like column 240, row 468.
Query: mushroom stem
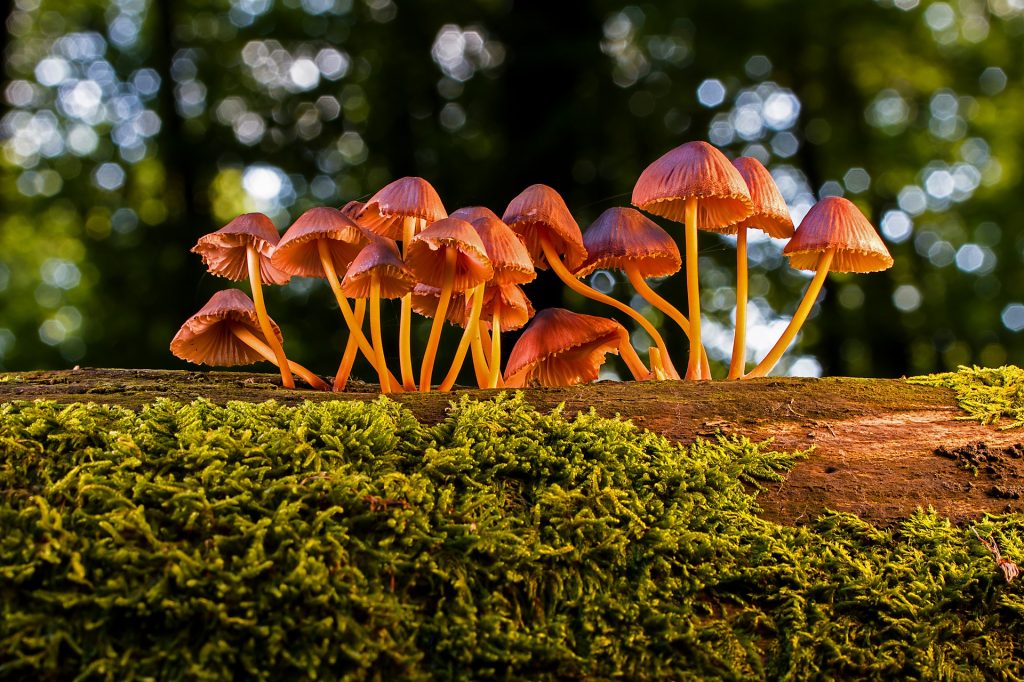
column 692, row 287
column 652, row 297
column 739, row 339
column 487, row 340
column 346, row 311
column 257, row 344
column 409, row 228
column 256, row 284
column 632, row 360
column 378, row 341
column 447, row 282
column 810, row 296
column 468, row 334
column 579, row 287
column 492, row 380
column 351, row 348
column 480, row 366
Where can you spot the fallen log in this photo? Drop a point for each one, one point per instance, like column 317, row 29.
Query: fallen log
column 882, row 448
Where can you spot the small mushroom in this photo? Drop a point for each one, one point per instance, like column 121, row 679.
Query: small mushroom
column 834, row 235
column 227, row 331
column 400, row 210
column 553, row 238
column 243, row 249
column 563, row 348
column 696, row 185
column 506, row 308
column 771, row 216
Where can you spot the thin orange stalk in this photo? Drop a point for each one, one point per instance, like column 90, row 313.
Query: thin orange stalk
column 492, row 380
column 739, row 339
column 692, row 288
column 480, row 366
column 378, row 341
column 468, row 334
column 427, row 368
column 256, row 284
column 351, row 348
column 410, row 226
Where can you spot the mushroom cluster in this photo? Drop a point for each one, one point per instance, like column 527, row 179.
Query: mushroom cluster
column 469, row 269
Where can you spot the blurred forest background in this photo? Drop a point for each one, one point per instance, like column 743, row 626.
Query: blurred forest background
column 129, row 128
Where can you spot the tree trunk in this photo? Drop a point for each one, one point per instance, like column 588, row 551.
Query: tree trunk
column 875, row 442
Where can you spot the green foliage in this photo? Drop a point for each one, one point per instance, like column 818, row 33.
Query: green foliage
column 346, row 540
column 987, row 395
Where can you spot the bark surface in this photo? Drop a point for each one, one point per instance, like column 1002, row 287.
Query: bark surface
column 882, row 447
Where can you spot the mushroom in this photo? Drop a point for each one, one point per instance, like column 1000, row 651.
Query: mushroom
column 378, row 271
column 321, row 243
column 624, row 239
column 400, row 210
column 542, row 220
column 771, row 216
column 505, row 308
column 512, row 265
column 227, row 331
column 448, row 255
column 563, row 348
column 833, row 236
column 694, row 184
column 242, row 249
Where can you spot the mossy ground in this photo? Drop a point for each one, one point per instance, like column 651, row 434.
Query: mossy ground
column 990, row 396
column 350, row 540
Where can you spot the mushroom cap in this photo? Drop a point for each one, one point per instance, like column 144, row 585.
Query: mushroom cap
column 425, row 254
column 624, row 235
column 771, row 215
column 836, row 223
column 471, row 214
column 224, row 251
column 206, row 337
column 515, row 307
column 562, row 348
column 539, row 210
column 298, row 254
column 379, row 256
column 695, row 169
column 509, row 257
column 407, row 197
column 425, row 299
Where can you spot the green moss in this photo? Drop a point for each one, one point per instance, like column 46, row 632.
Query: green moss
column 987, row 395
column 347, row 540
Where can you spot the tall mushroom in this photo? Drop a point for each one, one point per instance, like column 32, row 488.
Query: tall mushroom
column 542, row 220
column 399, row 211
column 563, row 348
column 448, row 255
column 696, row 185
column 242, row 249
column 624, row 239
column 833, row 236
column 227, row 331
column 321, row 243
column 771, row 216
column 378, row 272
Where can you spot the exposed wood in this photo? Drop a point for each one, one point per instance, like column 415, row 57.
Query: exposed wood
column 874, row 439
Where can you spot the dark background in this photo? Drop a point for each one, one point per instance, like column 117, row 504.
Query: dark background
column 131, row 128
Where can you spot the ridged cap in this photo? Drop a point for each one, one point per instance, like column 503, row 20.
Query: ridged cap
column 298, row 253
column 836, row 223
column 540, row 210
column 562, row 348
column 224, row 251
column 425, row 254
column 425, row 299
column 380, row 256
column 408, row 197
column 624, row 235
column 516, row 309
column 206, row 337
column 771, row 215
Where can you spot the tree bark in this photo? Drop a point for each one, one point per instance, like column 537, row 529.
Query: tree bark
column 874, row 441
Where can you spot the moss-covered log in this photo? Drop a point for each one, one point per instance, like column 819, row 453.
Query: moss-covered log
column 881, row 447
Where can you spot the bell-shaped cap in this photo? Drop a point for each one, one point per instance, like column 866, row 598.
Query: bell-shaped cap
column 471, row 214
column 836, row 223
column 624, row 235
column 408, row 197
column 298, row 252
column 206, row 337
column 224, row 252
column 425, row 255
column 771, row 215
column 380, row 256
column 541, row 211
column 509, row 257
column 562, row 348
column 510, row 300
column 425, row 299
column 695, row 169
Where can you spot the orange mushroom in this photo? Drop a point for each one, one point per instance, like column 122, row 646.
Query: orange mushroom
column 505, row 308
column 227, row 331
column 553, row 238
column 624, row 239
column 399, row 211
column 242, row 249
column 449, row 255
column 378, row 272
column 563, row 348
column 833, row 236
column 696, row 185
column 771, row 216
